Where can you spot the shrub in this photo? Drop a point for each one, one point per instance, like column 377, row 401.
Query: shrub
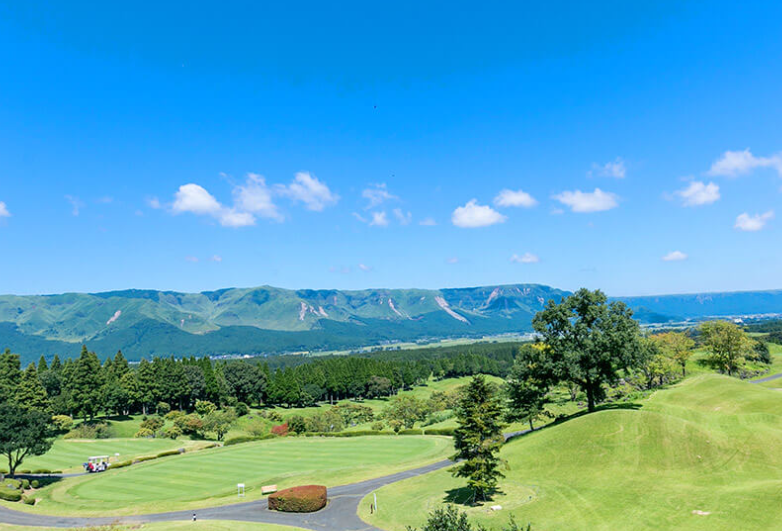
column 189, row 424
column 163, row 408
column 340, row 434
column 144, row 433
column 34, row 483
column 25, row 484
column 304, row 499
column 41, row 471
column 121, row 464
column 172, row 432
column 297, row 423
column 281, row 430
column 440, row 431
column 29, row 500
column 241, row 409
column 62, row 423
column 175, row 414
column 153, row 424
column 90, row 430
column 247, row 438
column 13, row 484
column 11, row 495
column 412, row 431
column 204, row 407
column 377, row 426
column 275, row 416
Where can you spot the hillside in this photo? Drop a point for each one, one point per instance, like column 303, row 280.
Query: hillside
column 269, row 320
column 259, row 320
column 704, row 454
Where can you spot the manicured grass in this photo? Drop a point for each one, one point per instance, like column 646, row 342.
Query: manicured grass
column 209, row 525
column 68, row 455
column 711, row 444
column 209, row 477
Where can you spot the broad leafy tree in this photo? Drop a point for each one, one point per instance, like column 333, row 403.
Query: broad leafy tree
column 589, row 341
column 677, row 346
column 24, row 432
column 728, row 345
column 479, row 437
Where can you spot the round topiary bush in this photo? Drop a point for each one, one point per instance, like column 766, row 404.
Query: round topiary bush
column 304, row 499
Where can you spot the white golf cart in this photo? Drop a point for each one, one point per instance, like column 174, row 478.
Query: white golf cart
column 97, row 463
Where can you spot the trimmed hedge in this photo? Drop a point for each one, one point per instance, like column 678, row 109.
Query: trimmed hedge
column 34, row 483
column 168, row 453
column 12, row 484
column 29, row 500
column 121, row 464
column 248, row 438
column 440, row 431
column 304, row 499
column 11, row 495
column 412, row 431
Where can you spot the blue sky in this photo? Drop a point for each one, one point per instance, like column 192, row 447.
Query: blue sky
column 634, row 148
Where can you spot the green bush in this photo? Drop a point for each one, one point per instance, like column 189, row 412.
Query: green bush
column 152, row 423
column 90, row 430
column 62, row 423
column 11, row 495
column 34, row 483
column 247, row 438
column 304, row 499
column 144, row 458
column 29, row 500
column 25, row 484
column 358, row 433
column 411, row 431
column 168, row 453
column 41, row 471
column 241, row 409
column 121, row 464
column 439, row 431
column 144, row 433
column 13, row 484
column 172, row 432
column 377, row 426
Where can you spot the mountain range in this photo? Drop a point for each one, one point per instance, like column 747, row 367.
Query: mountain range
column 268, row 320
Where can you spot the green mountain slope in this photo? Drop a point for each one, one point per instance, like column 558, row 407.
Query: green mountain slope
column 259, row 320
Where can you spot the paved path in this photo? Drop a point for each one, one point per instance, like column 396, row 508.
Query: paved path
column 768, row 378
column 339, row 515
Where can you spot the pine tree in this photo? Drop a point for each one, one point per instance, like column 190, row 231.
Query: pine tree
column 31, row 394
column 42, row 365
column 85, row 385
column 147, row 385
column 478, row 438
column 10, row 375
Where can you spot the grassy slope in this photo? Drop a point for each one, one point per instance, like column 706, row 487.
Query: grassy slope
column 711, row 444
column 211, row 525
column 209, row 477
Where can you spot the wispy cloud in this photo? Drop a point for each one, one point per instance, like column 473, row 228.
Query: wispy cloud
column 615, row 169
column 76, row 204
column 472, row 215
column 452, row 260
column 256, row 198
column 379, row 219
column 404, row 218
column 735, row 163
column 154, row 202
column 105, row 200
column 514, row 198
column 699, row 193
column 674, row 256
column 192, row 259
column 526, row 258
column 364, row 268
column 4, row 213
column 376, row 194
column 307, row 189
column 427, row 222
column 216, row 258
column 754, row 223
column 585, row 202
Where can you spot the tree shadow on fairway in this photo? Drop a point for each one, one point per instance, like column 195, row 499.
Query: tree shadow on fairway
column 463, row 496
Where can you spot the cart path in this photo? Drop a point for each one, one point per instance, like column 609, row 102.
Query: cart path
column 341, row 514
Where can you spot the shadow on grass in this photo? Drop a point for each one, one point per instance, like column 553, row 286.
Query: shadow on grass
column 463, row 496
column 43, row 480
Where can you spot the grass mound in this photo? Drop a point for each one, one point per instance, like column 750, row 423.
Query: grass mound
column 706, row 454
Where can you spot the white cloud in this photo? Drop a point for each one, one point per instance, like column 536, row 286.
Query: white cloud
column 309, row 190
column 216, row 258
column 191, row 259
column 699, row 193
column 154, row 202
column 105, row 200
column 255, row 197
column 427, row 222
column 4, row 213
column 195, row 199
column 76, row 204
column 404, row 218
column 453, row 260
column 675, row 256
column 616, row 169
column 526, row 258
column 379, row 219
column 735, row 163
column 583, row 202
column 473, row 215
column 377, row 194
column 359, row 217
column 514, row 198
column 364, row 268
column 754, row 223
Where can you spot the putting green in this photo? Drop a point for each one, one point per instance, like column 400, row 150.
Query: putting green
column 69, row 454
column 704, row 455
column 209, row 477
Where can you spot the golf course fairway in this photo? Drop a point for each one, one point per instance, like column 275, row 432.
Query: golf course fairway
column 705, row 454
column 209, row 477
